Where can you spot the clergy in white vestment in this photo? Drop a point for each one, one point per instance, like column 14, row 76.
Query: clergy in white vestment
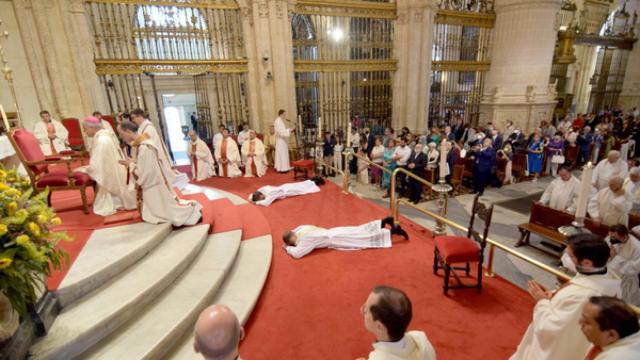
column 281, row 161
column 107, row 126
column 227, row 156
column 305, row 238
column 625, row 261
column 51, row 134
column 244, row 134
column 632, row 186
column 202, row 164
column 562, row 192
column 607, row 168
column 218, row 136
column 555, row 330
column 266, row 195
column 113, row 192
column 610, row 205
column 387, row 313
column 612, row 327
column 160, row 203
column 254, row 156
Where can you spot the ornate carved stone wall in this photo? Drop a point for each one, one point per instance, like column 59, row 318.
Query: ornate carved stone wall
column 630, row 95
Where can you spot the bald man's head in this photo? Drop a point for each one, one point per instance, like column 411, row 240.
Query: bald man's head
column 217, row 333
column 615, row 183
column 613, row 156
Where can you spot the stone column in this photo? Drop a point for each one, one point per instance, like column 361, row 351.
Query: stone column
column 517, row 84
column 630, row 95
column 412, row 48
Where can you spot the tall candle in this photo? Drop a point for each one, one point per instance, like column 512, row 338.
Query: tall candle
column 5, row 119
column 319, row 136
column 585, row 191
column 140, row 102
column 299, row 124
column 348, row 137
column 443, row 158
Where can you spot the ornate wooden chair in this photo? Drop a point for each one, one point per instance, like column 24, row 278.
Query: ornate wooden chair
column 468, row 249
column 41, row 169
column 76, row 141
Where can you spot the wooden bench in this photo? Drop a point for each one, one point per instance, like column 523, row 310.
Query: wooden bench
column 544, row 221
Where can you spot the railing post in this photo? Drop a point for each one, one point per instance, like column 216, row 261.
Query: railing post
column 348, row 154
column 392, row 196
column 442, row 189
column 489, row 272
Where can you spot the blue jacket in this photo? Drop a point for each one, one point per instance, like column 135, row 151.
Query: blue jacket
column 485, row 160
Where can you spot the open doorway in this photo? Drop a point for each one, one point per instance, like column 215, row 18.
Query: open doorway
column 177, row 111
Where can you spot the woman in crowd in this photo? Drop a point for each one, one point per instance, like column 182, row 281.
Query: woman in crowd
column 377, row 157
column 556, row 151
column 338, row 148
column 363, row 166
column 388, row 162
column 535, row 156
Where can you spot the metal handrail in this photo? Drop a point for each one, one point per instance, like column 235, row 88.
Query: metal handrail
column 392, row 190
column 367, row 160
column 345, row 178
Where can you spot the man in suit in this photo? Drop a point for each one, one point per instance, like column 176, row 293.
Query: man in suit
column 416, row 164
column 371, row 140
column 484, row 157
column 496, row 137
column 517, row 140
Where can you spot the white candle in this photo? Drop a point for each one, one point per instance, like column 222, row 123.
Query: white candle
column 348, row 137
column 299, row 124
column 319, row 127
column 585, row 191
column 443, row 158
column 140, row 102
column 5, row 119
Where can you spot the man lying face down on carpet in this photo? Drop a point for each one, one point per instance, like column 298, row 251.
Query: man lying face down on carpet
column 305, row 238
column 268, row 194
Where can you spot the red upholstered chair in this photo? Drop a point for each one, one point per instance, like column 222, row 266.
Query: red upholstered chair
column 301, row 168
column 40, row 171
column 451, row 250
column 111, row 122
column 260, row 136
column 76, row 141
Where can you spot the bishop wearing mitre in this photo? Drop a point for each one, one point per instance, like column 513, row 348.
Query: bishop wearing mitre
column 51, row 134
column 160, row 204
column 253, row 154
column 202, row 164
column 227, row 156
column 113, row 193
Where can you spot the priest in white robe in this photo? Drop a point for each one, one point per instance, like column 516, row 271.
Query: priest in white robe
column 51, row 134
column 607, row 168
column 305, row 238
column 113, row 192
column 611, row 205
column 202, row 164
column 243, row 135
column 555, row 330
column 282, row 143
column 218, row 136
column 227, row 156
column 562, row 192
column 625, row 261
column 160, row 204
column 632, row 186
column 266, row 195
column 254, row 156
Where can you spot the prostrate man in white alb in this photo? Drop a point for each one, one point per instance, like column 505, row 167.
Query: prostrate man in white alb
column 554, row 332
column 253, row 156
column 562, row 192
column 51, row 134
column 160, row 203
column 611, row 205
column 305, row 238
column 218, row 334
column 632, row 187
column 266, row 195
column 113, row 192
column 281, row 161
column 625, row 261
column 612, row 327
column 608, row 168
column 387, row 314
column 227, row 156
column 202, row 164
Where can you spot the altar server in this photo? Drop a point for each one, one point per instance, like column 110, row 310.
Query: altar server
column 51, row 134
column 562, row 192
column 227, row 156
column 202, row 164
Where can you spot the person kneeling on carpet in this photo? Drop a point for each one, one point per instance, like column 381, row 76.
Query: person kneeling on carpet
column 387, row 314
column 305, row 238
column 268, row 194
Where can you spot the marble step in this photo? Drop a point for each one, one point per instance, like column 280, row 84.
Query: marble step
column 98, row 314
column 241, row 289
column 166, row 321
column 107, row 253
column 213, row 193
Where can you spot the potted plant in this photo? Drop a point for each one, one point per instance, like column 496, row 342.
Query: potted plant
column 28, row 247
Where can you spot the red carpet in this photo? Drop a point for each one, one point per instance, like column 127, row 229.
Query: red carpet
column 310, row 308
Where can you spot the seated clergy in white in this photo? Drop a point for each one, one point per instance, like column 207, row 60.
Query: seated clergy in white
column 113, row 192
column 160, row 203
column 555, row 332
column 51, row 134
column 632, row 186
column 625, row 261
column 266, row 195
column 612, row 327
column 253, row 156
column 227, row 156
column 387, row 314
column 305, row 238
column 608, row 168
column 611, row 205
column 243, row 135
column 202, row 164
column 562, row 192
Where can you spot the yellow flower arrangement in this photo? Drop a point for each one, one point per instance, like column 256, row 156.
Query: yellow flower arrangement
column 28, row 247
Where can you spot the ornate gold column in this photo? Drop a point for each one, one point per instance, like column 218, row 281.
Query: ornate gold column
column 630, row 95
column 412, row 47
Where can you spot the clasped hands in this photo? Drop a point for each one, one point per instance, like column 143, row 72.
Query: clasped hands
column 537, row 291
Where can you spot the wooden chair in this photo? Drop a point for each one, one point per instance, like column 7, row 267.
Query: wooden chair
column 76, row 140
column 41, row 172
column 456, row 179
column 451, row 250
column 519, row 165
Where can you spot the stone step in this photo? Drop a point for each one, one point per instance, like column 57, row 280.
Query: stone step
column 107, row 253
column 166, row 321
column 241, row 289
column 213, row 194
column 98, row 314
